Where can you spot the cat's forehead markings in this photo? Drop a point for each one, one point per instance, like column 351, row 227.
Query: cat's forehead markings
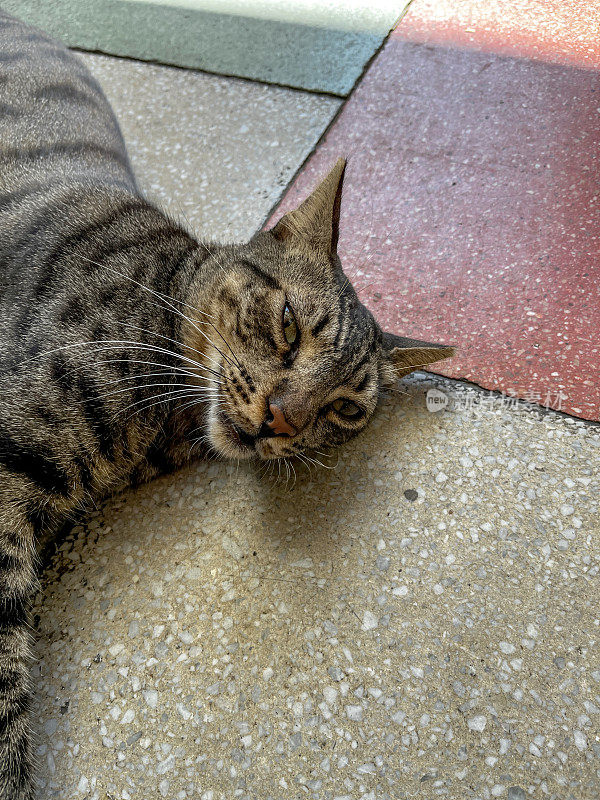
column 364, row 355
column 259, row 272
column 343, row 330
column 322, row 323
column 364, row 382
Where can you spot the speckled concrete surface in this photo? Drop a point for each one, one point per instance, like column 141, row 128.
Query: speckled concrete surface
column 216, row 152
column 557, row 31
column 419, row 621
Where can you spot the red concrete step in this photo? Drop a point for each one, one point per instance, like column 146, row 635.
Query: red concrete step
column 471, row 212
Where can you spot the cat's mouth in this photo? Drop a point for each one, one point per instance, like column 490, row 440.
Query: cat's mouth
column 235, row 435
column 232, row 441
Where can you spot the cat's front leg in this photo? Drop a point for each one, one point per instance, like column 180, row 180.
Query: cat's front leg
column 18, row 582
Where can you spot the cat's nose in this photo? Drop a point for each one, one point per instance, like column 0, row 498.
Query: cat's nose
column 278, row 424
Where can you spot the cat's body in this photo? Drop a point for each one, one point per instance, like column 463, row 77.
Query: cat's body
column 113, row 320
column 66, row 191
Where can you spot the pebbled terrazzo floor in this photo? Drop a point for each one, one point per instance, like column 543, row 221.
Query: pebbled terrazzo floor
column 419, row 621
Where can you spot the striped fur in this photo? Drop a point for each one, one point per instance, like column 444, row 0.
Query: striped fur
column 126, row 346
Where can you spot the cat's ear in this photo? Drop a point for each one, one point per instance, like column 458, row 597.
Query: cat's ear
column 316, row 222
column 401, row 356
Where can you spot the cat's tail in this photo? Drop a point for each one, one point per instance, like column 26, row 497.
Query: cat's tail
column 18, row 581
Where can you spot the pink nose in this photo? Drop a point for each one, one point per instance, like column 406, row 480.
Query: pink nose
column 279, row 424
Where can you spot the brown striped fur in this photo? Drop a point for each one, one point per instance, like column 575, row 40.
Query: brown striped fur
column 126, row 346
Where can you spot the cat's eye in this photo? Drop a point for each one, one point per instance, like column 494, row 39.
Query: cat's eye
column 290, row 326
column 346, row 408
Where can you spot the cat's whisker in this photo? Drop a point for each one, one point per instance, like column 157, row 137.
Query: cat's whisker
column 309, row 459
column 160, row 295
column 177, row 371
column 175, row 395
column 205, row 441
column 170, row 307
column 208, row 339
column 197, row 428
column 168, row 397
column 215, row 389
column 214, row 258
column 191, row 403
column 362, row 288
column 111, row 344
column 266, row 467
column 62, row 348
column 294, row 471
column 300, row 455
column 204, row 392
column 218, row 401
column 341, row 292
column 132, row 344
column 181, row 393
column 205, row 437
column 320, row 463
column 168, row 369
column 161, row 336
column 306, row 463
column 169, row 300
column 152, row 386
column 413, row 366
column 288, row 467
column 201, row 440
column 153, row 402
column 143, row 376
column 202, row 333
column 327, row 455
column 395, row 390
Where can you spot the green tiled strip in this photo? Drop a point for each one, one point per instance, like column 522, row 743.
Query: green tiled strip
column 301, row 44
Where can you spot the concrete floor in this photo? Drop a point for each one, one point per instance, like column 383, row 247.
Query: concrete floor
column 418, row 621
column 215, row 152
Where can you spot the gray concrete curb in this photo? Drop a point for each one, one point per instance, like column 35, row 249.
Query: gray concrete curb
column 319, row 50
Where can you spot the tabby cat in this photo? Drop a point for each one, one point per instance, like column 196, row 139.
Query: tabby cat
column 126, row 346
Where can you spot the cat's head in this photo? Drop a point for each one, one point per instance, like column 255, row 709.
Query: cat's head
column 299, row 361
